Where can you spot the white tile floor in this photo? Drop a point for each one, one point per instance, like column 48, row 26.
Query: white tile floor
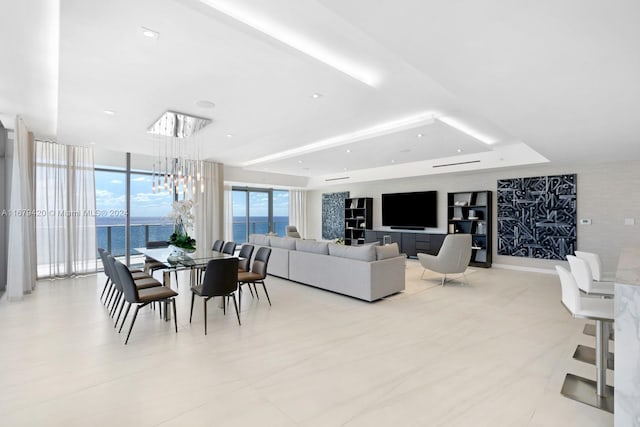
column 493, row 353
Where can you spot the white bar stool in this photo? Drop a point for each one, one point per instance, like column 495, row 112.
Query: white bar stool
column 594, row 393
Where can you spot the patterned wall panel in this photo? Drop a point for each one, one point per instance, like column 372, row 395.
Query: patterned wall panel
column 333, row 215
column 537, row 216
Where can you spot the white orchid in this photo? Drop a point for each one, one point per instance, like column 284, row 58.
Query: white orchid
column 182, row 215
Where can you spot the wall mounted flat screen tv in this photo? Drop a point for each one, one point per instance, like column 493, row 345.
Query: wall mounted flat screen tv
column 410, row 210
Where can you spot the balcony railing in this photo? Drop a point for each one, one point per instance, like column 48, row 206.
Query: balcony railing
column 112, row 237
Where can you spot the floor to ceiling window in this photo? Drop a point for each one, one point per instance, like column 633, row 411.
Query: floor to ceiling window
column 148, row 211
column 259, row 211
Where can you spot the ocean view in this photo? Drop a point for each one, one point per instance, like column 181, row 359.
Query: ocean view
column 111, row 230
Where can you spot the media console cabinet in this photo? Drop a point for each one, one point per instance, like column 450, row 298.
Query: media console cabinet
column 409, row 242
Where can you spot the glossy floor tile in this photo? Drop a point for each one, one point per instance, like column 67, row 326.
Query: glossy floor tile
column 493, row 353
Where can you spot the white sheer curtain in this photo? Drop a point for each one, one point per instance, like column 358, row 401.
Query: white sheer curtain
column 298, row 210
column 209, row 206
column 228, row 213
column 66, row 203
column 21, row 256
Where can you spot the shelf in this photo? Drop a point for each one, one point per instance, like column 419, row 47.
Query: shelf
column 358, row 218
column 467, row 213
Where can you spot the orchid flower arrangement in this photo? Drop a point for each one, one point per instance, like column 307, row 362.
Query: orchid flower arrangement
column 183, row 219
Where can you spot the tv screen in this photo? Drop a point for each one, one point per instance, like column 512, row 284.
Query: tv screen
column 410, row 210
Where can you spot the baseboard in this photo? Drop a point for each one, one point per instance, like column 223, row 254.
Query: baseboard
column 522, row 268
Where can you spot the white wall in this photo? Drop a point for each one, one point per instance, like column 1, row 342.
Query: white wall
column 607, row 194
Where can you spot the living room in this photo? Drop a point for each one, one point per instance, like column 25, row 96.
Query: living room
column 401, row 97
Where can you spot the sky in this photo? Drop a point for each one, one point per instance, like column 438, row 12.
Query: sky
column 111, row 199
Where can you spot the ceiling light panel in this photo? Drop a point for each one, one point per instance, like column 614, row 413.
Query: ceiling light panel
column 385, row 128
column 401, row 147
column 464, row 128
column 297, row 41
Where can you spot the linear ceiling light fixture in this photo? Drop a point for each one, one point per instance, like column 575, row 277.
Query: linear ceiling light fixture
column 347, row 138
column 458, row 125
column 296, row 40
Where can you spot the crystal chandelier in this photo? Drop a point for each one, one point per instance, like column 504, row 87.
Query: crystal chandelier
column 177, row 168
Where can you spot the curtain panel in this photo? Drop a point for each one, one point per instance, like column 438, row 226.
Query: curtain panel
column 228, row 213
column 298, row 210
column 21, row 248
column 66, row 207
column 209, row 206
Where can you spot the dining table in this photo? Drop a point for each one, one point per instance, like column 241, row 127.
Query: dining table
column 177, row 260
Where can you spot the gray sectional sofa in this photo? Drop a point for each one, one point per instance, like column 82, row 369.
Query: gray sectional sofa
column 366, row 272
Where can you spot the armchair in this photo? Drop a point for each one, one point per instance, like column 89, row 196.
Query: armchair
column 453, row 257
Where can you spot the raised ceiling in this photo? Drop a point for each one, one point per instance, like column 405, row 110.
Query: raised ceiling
column 544, row 80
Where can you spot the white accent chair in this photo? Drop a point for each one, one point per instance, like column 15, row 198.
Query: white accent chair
column 600, row 310
column 584, row 278
column 595, row 264
column 292, row 231
column 453, row 257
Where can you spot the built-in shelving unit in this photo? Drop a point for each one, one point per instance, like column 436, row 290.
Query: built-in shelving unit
column 358, row 215
column 471, row 212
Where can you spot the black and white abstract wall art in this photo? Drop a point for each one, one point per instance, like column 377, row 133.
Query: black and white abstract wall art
column 537, row 216
column 333, row 215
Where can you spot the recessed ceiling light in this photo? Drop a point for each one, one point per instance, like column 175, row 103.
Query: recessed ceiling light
column 229, row 135
column 316, row 95
column 459, row 150
column 348, row 150
column 92, row 143
column 344, row 169
column 297, row 40
column 420, row 135
column 393, row 161
column 149, row 33
column 300, row 161
column 203, row 103
column 109, row 112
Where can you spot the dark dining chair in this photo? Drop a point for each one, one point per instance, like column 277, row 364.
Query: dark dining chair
column 145, row 282
column 229, row 248
column 142, row 297
column 217, row 245
column 220, row 280
column 245, row 257
column 257, row 274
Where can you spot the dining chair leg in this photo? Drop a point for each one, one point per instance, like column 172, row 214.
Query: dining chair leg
column 205, row 315
column 224, row 305
column 193, row 297
column 239, row 296
column 135, row 314
column 115, row 304
column 112, row 293
column 126, row 313
column 175, row 317
column 104, row 289
column 236, row 306
column 265, row 292
column 108, row 292
column 255, row 290
column 175, row 272
column 115, row 325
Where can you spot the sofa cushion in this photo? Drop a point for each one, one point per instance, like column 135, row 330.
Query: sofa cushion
column 259, row 239
column 312, row 246
column 283, row 242
column 387, row 251
column 362, row 253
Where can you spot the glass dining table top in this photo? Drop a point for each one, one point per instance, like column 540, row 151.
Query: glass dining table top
column 166, row 256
